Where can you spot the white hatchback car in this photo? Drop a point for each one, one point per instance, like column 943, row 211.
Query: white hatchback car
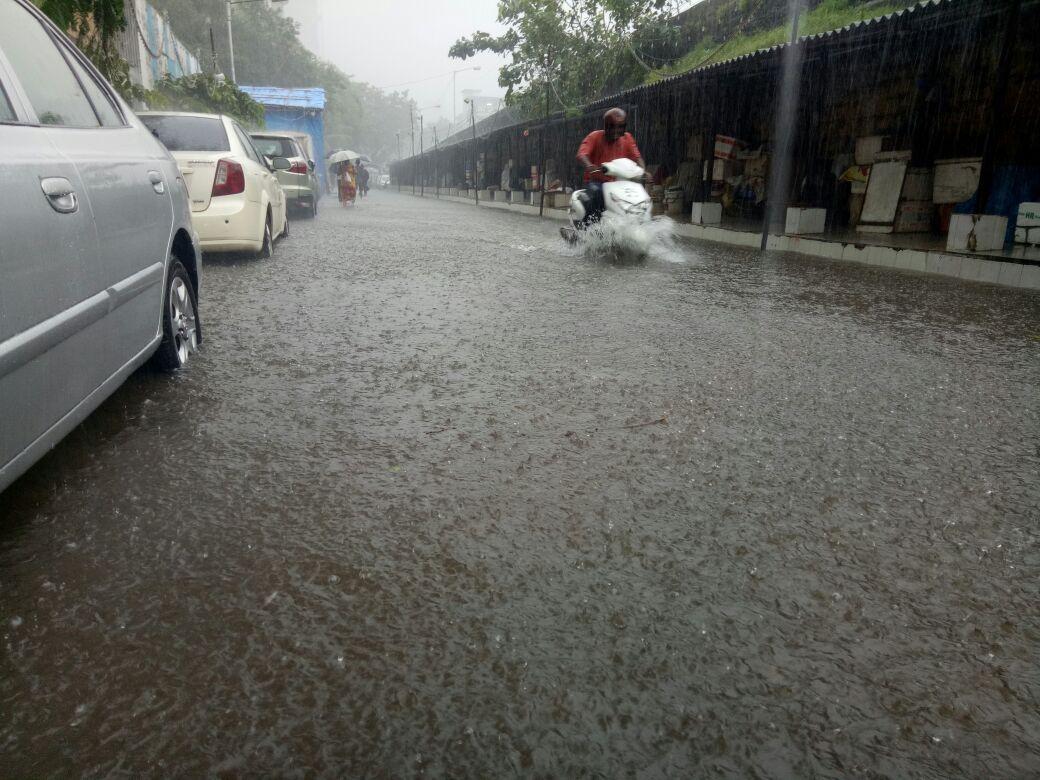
column 237, row 203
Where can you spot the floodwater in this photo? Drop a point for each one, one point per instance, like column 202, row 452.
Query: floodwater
column 442, row 499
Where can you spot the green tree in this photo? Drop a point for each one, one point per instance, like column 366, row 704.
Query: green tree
column 571, row 50
column 94, row 23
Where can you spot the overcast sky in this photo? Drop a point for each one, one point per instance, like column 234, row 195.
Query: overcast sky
column 394, row 42
column 401, row 42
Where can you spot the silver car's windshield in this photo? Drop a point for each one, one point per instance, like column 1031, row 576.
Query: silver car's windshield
column 189, row 133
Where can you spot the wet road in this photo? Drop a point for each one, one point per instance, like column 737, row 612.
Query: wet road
column 440, row 499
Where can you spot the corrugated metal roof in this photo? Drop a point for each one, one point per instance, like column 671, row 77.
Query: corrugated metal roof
column 854, row 26
column 301, row 97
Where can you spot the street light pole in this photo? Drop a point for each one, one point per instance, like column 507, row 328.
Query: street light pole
column 454, row 92
column 231, row 43
column 422, row 161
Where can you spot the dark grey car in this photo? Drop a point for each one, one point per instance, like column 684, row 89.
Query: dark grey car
column 99, row 265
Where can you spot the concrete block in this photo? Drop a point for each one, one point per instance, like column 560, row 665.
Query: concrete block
column 976, row 233
column 1030, row 278
column 536, row 198
column 561, row 200
column 1021, row 235
column 1028, row 215
column 971, row 268
column 912, row 260
column 706, row 214
column 855, row 254
column 1010, row 274
column 946, row 265
column 832, row 250
column 805, row 221
column 989, row 271
column 517, row 196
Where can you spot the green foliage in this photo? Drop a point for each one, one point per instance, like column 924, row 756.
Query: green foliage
column 203, row 92
column 828, row 15
column 93, row 23
column 569, row 51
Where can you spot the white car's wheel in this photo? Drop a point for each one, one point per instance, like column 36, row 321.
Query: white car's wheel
column 267, row 247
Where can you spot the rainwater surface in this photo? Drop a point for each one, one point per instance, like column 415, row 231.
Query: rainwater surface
column 441, row 498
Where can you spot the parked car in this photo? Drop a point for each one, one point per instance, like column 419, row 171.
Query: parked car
column 300, row 183
column 237, row 204
column 384, row 181
column 99, row 264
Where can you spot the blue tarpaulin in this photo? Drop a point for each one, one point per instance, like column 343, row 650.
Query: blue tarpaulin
column 300, row 110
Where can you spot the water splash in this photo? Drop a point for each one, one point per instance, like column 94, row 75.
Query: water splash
column 631, row 243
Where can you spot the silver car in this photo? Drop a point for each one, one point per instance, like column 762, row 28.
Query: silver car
column 300, row 182
column 99, row 265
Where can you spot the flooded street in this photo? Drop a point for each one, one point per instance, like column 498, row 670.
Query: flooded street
column 440, row 498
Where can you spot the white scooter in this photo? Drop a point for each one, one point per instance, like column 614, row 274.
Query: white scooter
column 622, row 226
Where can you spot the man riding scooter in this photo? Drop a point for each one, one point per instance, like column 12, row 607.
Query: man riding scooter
column 603, row 146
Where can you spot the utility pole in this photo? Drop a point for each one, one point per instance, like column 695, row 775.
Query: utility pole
column 422, row 161
column 545, row 132
column 411, row 124
column 436, row 166
column 473, row 124
column 398, row 160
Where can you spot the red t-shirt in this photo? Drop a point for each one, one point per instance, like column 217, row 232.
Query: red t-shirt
column 599, row 150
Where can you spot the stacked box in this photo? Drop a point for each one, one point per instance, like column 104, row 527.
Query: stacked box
column 1027, row 228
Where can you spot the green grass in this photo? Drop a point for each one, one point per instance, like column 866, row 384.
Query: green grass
column 829, row 15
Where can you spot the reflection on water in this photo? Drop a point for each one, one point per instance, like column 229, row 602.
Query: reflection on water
column 440, row 499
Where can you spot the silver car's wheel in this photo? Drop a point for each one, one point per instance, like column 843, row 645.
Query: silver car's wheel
column 182, row 314
column 180, row 321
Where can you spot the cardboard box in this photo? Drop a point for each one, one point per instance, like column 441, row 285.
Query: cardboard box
column 805, row 221
column 956, row 180
column 918, row 184
column 914, row 216
column 867, row 148
column 706, row 214
column 976, row 233
column 1028, row 215
column 726, row 147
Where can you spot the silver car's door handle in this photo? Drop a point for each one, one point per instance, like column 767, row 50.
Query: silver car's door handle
column 60, row 194
column 157, row 182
